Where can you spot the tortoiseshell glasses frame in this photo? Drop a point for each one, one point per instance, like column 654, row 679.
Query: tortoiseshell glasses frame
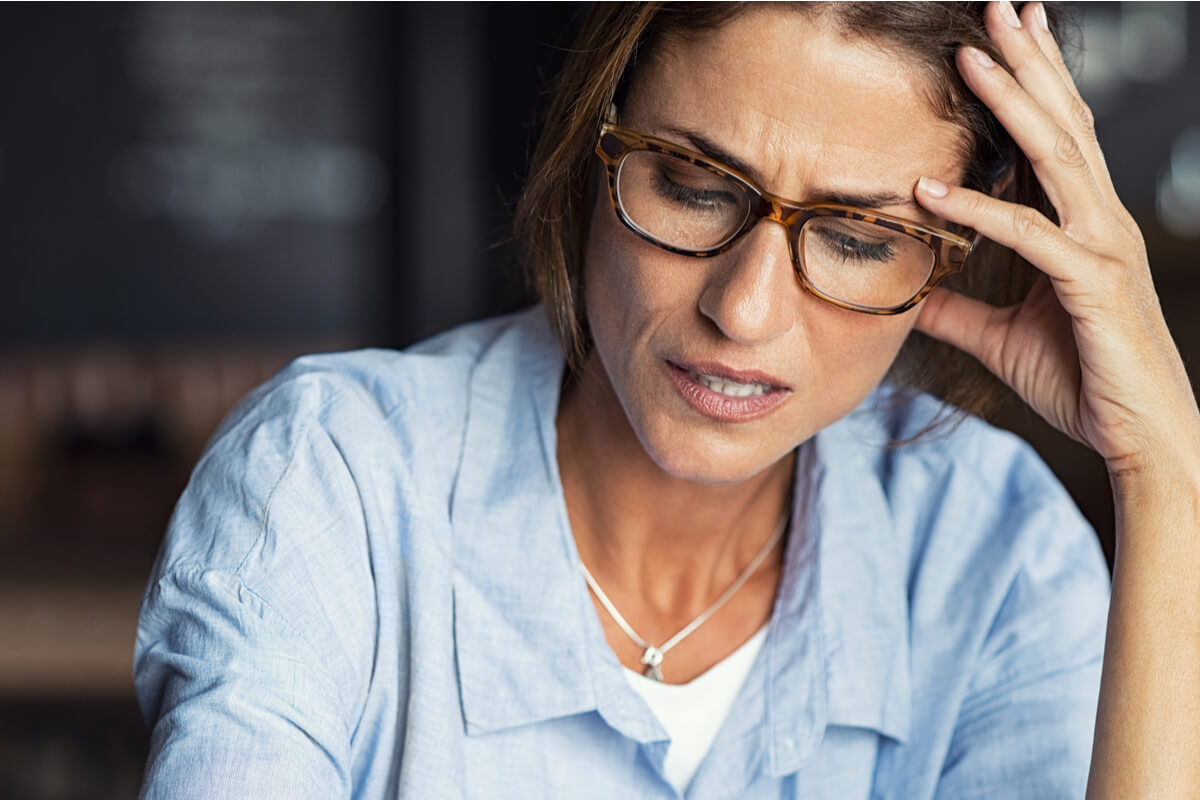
column 950, row 250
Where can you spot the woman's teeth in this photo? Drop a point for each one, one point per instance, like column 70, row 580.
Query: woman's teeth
column 727, row 387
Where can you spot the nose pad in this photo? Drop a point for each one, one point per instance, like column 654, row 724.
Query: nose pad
column 751, row 295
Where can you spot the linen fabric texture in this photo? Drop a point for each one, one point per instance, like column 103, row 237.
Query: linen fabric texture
column 369, row 589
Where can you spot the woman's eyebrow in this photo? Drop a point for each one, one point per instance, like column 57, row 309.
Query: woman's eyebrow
column 855, row 199
column 864, row 201
column 714, row 152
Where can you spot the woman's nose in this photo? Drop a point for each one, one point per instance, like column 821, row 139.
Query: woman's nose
column 752, row 290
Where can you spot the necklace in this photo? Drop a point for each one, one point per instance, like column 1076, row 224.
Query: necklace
column 653, row 656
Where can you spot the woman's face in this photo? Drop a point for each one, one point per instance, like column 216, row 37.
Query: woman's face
column 812, row 115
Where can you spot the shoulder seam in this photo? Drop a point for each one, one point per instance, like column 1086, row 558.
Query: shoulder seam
column 266, row 514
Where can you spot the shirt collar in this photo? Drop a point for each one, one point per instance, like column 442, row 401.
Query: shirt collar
column 528, row 643
column 522, row 654
column 837, row 652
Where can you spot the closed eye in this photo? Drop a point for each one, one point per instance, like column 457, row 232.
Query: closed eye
column 850, row 248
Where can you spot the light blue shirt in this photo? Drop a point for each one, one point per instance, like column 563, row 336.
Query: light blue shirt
column 369, row 589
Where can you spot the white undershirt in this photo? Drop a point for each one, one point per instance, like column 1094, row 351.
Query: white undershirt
column 692, row 713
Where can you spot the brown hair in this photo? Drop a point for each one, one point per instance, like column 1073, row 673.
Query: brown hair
column 552, row 213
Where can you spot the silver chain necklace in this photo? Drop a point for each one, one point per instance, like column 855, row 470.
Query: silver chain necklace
column 653, row 656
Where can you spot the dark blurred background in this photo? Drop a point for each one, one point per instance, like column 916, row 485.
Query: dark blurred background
column 191, row 195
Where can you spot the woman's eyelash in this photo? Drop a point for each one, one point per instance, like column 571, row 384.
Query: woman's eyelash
column 856, row 248
column 686, row 195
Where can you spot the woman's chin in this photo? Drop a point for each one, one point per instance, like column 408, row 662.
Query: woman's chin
column 710, row 460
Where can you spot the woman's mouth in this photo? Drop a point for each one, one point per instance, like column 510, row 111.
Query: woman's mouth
column 724, row 394
column 728, row 387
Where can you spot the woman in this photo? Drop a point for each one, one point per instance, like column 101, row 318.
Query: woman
column 688, row 561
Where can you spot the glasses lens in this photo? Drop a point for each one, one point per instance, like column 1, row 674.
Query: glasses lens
column 862, row 262
column 678, row 203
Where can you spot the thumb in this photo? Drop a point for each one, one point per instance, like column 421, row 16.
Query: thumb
column 970, row 325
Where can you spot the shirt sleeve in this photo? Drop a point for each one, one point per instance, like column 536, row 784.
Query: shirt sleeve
column 245, row 708
column 1026, row 724
column 257, row 632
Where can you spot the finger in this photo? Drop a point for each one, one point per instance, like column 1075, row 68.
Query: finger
column 1057, row 159
column 1038, row 64
column 1030, row 65
column 971, row 325
column 1033, row 16
column 1021, row 228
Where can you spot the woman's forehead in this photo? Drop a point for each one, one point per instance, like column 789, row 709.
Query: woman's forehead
column 802, row 106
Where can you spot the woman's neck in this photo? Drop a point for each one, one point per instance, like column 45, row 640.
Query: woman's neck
column 661, row 543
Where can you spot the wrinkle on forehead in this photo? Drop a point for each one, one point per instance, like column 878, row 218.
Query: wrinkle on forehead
column 803, row 104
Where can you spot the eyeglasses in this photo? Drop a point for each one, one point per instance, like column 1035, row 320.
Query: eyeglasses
column 853, row 258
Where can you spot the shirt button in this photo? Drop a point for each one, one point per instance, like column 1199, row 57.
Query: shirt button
column 789, row 743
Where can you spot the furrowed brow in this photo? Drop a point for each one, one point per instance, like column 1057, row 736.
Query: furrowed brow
column 869, row 200
column 715, row 152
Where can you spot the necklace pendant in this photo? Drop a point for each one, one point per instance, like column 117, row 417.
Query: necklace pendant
column 652, row 658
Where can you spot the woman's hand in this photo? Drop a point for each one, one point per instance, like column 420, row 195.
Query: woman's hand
column 1088, row 349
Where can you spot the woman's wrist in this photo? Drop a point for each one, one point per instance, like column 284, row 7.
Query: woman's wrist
column 1167, row 444
column 1156, row 496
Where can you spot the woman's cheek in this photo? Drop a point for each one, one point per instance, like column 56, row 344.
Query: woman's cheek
column 855, row 351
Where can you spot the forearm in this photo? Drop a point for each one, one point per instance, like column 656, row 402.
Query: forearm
column 1147, row 741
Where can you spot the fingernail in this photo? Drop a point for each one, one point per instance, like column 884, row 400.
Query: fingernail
column 981, row 58
column 1040, row 13
column 933, row 187
column 1009, row 14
